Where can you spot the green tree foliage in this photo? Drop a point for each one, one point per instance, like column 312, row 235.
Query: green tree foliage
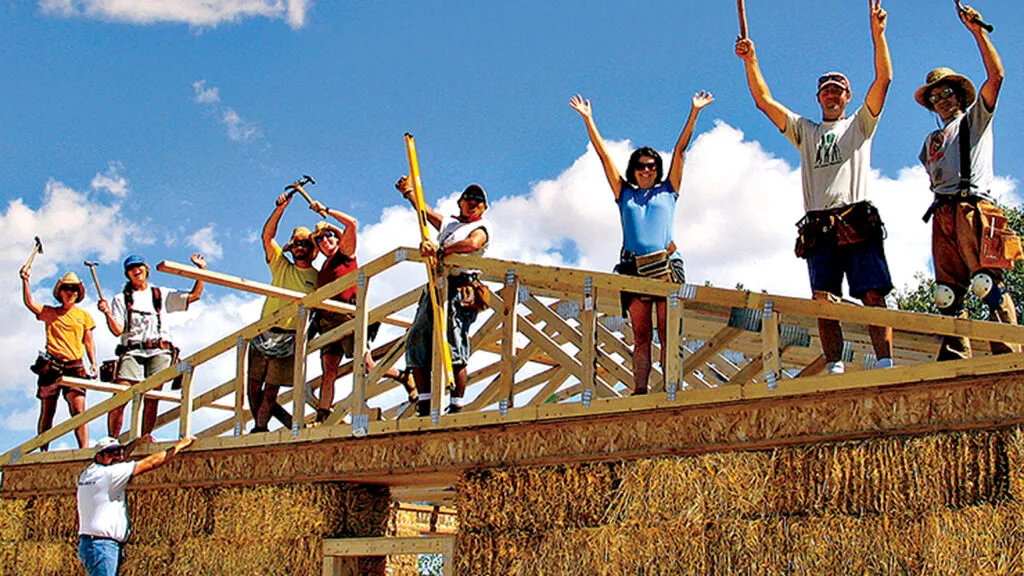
column 919, row 298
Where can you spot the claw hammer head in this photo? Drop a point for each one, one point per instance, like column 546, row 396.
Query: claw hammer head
column 37, row 249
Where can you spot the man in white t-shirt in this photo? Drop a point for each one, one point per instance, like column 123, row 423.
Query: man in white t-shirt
column 841, row 233
column 466, row 233
column 962, row 185
column 137, row 317
column 103, row 526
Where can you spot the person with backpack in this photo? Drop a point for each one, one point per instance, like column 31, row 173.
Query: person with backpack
column 136, row 315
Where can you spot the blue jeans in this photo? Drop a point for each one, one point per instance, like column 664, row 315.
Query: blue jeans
column 99, row 556
column 419, row 344
column 863, row 264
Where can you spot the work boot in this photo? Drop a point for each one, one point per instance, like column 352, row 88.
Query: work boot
column 836, row 367
column 453, row 409
column 423, row 408
column 322, row 414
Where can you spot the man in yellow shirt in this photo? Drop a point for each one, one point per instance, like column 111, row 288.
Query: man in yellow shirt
column 68, row 340
column 272, row 353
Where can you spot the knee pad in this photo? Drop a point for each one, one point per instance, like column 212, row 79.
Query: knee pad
column 987, row 288
column 945, row 298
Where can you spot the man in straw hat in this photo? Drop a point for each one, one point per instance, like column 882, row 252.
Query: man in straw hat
column 272, row 353
column 137, row 316
column 103, row 526
column 841, row 233
column 465, row 233
column 958, row 158
column 68, row 340
column 339, row 249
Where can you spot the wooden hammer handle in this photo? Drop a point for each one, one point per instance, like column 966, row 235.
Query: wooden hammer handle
column 96, row 281
column 741, row 7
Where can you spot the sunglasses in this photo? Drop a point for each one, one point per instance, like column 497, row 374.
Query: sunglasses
column 326, row 235
column 69, row 288
column 940, row 94
column 832, row 78
column 644, row 166
column 303, row 244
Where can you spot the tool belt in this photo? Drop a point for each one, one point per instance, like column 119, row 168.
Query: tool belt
column 656, row 265
column 108, row 370
column 472, row 292
column 943, row 199
column 853, row 224
column 47, row 364
column 122, row 349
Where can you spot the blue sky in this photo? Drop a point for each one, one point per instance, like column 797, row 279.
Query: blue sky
column 125, row 129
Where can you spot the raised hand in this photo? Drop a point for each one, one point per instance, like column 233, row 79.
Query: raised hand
column 582, row 106
column 971, row 18
column 745, row 48
column 702, row 99
column 878, row 17
column 284, row 198
column 25, row 273
column 104, row 306
column 199, row 261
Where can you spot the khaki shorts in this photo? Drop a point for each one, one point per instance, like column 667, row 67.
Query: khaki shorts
column 274, row 371
column 138, row 368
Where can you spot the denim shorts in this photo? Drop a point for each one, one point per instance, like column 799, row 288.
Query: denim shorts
column 863, row 264
column 419, row 345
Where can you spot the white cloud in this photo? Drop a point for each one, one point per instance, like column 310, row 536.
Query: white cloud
column 205, row 241
column 239, row 129
column 111, row 181
column 205, row 95
column 201, row 13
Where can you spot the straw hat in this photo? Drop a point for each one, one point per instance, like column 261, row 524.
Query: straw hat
column 321, row 228
column 947, row 76
column 72, row 279
column 298, row 235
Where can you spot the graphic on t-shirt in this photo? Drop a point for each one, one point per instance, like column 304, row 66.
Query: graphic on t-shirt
column 935, row 146
column 827, row 151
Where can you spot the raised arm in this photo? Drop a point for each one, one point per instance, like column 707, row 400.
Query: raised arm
column 270, row 228
column 197, row 288
column 675, row 171
column 993, row 63
column 158, row 459
column 875, row 99
column 775, row 111
column 113, row 325
column 347, row 242
column 404, row 185
column 610, row 171
column 26, row 292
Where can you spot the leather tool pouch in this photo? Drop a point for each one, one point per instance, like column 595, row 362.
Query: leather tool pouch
column 1000, row 245
column 654, row 265
column 857, row 223
column 108, row 370
column 43, row 364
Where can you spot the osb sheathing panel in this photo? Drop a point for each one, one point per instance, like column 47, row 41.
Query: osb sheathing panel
column 967, row 403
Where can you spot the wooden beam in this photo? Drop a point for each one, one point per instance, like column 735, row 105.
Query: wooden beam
column 388, row 546
column 510, row 323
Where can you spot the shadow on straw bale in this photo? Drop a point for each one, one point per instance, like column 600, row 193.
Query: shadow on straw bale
column 8, row 556
column 13, row 518
column 535, row 499
column 266, row 556
column 146, row 558
column 367, row 511
column 474, row 553
column 47, row 559
column 169, row 515
column 1013, row 439
column 52, row 518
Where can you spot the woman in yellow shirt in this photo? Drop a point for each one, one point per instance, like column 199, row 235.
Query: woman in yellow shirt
column 68, row 340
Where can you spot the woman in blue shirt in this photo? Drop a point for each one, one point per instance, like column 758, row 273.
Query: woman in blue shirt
column 647, row 206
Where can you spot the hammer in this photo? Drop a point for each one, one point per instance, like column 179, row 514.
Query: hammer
column 297, row 187
column 91, row 265
column 37, row 249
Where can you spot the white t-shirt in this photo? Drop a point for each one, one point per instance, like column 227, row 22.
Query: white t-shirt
column 835, row 158
column 101, row 504
column 144, row 320
column 941, row 153
column 452, row 231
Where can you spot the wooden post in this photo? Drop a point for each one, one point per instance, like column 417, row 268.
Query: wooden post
column 359, row 347
column 241, row 384
column 135, row 426
column 672, row 369
column 588, row 331
column 299, row 372
column 510, row 327
column 185, row 420
column 770, row 345
column 441, row 371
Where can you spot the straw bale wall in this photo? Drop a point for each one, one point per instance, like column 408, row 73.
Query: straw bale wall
column 943, row 503
column 258, row 530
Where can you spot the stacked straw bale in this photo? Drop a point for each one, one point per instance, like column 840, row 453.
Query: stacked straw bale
column 947, row 503
column 261, row 530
